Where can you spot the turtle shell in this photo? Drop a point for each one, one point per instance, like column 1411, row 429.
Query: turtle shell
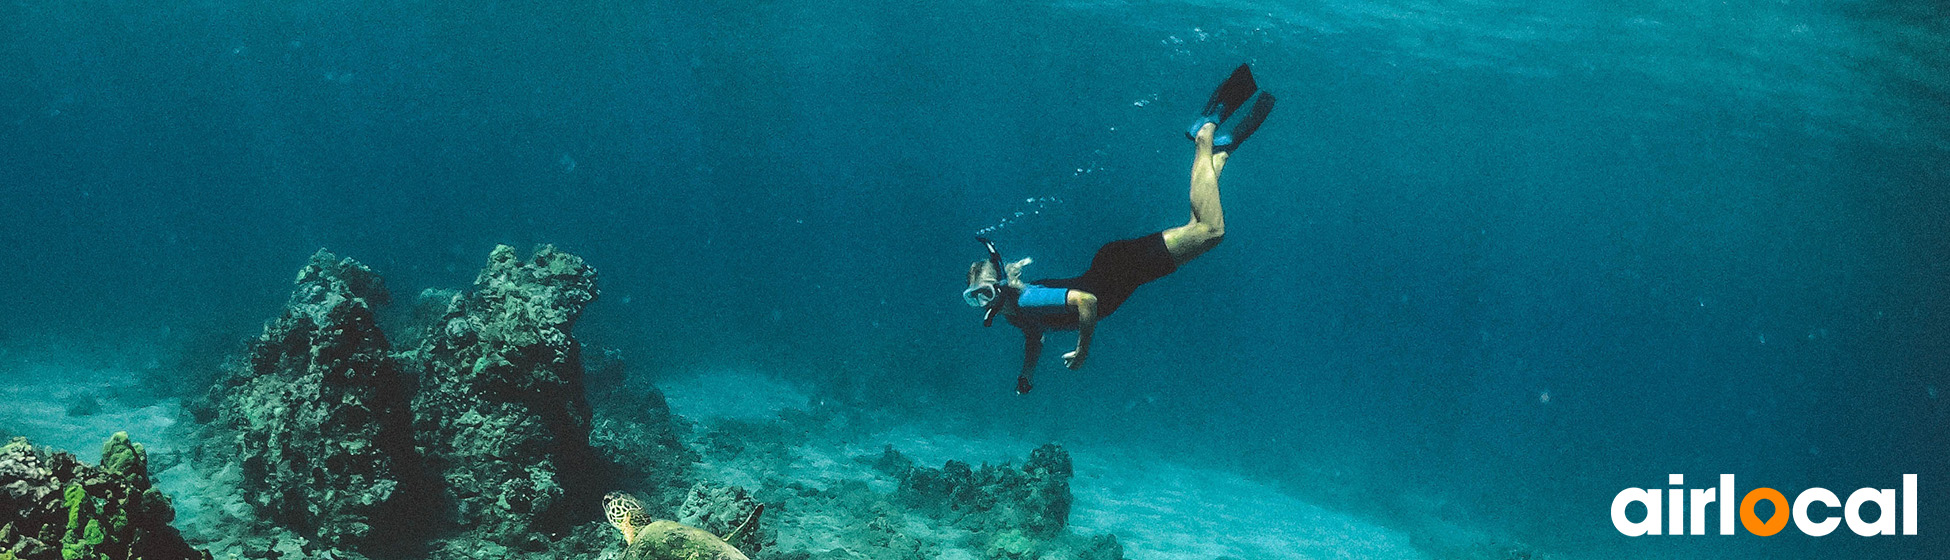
column 670, row 540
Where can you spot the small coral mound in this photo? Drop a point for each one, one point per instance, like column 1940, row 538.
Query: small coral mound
column 55, row 507
column 1016, row 512
column 1033, row 499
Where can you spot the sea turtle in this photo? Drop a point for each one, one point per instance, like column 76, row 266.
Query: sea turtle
column 658, row 539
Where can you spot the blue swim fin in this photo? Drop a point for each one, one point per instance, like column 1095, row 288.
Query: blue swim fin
column 1231, row 95
column 1231, row 134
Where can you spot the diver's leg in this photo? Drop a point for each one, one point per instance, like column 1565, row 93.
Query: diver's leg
column 1208, row 224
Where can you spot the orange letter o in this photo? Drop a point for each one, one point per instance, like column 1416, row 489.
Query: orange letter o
column 1752, row 522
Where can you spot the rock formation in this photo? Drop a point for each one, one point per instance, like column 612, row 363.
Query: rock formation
column 1033, row 499
column 634, row 429
column 501, row 412
column 54, row 507
column 317, row 416
column 1020, row 512
column 482, row 442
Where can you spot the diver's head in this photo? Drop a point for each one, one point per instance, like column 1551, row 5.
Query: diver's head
column 991, row 284
column 984, row 278
column 984, row 284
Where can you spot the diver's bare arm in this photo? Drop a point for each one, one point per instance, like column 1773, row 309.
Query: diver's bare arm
column 1086, row 304
column 1032, row 348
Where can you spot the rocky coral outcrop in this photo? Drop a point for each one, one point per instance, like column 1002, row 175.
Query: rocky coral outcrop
column 847, row 520
column 1015, row 512
column 633, row 428
column 317, row 415
column 1033, row 499
column 53, row 507
column 501, row 411
column 489, row 440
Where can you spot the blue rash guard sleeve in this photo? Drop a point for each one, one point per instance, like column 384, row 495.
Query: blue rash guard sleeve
column 1047, row 307
column 1040, row 300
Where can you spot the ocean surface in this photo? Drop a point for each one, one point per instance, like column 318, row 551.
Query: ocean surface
column 1488, row 264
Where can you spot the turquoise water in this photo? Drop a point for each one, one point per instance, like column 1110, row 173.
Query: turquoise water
column 1488, row 264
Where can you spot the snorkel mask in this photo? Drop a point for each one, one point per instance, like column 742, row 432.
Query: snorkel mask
column 988, row 294
column 980, row 296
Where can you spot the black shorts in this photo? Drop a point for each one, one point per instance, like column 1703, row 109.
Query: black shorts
column 1119, row 268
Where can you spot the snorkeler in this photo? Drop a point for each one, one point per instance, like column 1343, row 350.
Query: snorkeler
column 1121, row 266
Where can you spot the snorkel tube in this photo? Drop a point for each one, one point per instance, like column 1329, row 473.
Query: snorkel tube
column 1002, row 277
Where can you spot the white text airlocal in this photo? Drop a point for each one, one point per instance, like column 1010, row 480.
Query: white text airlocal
column 1677, row 512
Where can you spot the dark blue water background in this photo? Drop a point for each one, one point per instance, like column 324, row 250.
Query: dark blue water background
column 1489, row 263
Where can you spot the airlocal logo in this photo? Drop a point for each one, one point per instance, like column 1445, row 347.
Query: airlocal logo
column 1804, row 519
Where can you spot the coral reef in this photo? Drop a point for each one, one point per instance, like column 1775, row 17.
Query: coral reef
column 1014, row 512
column 1033, row 499
column 54, row 507
column 825, row 503
column 317, row 415
column 850, row 521
column 501, row 411
column 477, row 441
column 488, row 439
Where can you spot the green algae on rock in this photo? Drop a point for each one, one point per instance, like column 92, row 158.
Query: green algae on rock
column 55, row 507
column 123, row 457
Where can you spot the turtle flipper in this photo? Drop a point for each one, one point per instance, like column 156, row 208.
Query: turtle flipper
column 736, row 537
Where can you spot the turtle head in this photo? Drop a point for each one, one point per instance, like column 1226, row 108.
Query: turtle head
column 625, row 513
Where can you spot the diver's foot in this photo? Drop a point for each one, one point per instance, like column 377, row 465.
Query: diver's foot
column 1204, row 138
column 1238, row 130
column 1022, row 385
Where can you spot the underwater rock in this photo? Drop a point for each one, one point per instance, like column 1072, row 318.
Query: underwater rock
column 846, row 520
column 1014, row 545
column 957, row 511
column 633, row 428
column 317, row 415
column 1033, row 499
column 54, row 507
column 720, row 510
column 420, row 315
column 1101, row 547
column 893, row 463
column 501, row 412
